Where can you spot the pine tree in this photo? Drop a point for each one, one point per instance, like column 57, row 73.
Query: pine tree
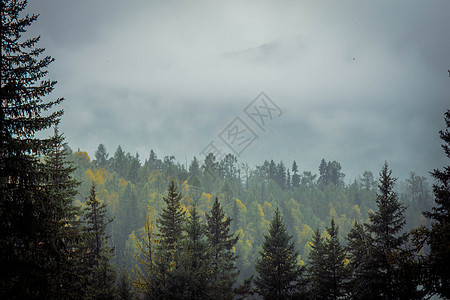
column 435, row 265
column 127, row 218
column 101, row 156
column 367, row 180
column 192, row 276
column 221, row 244
column 170, row 225
column 26, row 259
column 317, row 268
column 323, row 173
column 280, row 175
column 172, row 218
column 387, row 240
column 194, row 168
column 337, row 273
column 278, row 271
column 101, row 273
column 295, row 175
column 119, row 163
column 359, row 255
column 64, row 227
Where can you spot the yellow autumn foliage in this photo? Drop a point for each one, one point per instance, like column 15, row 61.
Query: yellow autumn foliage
column 260, row 210
column 241, row 205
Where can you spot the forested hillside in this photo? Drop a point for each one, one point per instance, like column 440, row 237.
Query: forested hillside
column 307, row 199
column 78, row 225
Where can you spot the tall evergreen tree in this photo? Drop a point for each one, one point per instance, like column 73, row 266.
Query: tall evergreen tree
column 172, row 218
column 192, row 276
column 278, row 271
column 436, row 271
column 101, row 156
column 337, row 276
column 221, row 242
column 119, row 162
column 280, row 175
column 295, row 176
column 387, row 240
column 194, row 168
column 335, row 175
column 170, row 224
column 358, row 253
column 101, row 273
column 62, row 220
column 26, row 257
column 367, row 180
column 317, row 272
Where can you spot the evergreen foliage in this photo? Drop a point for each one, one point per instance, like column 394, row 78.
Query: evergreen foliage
column 278, row 271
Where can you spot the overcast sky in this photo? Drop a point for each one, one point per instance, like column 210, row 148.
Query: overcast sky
column 359, row 82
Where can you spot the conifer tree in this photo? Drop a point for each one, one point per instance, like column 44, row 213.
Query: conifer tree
column 101, row 157
column 387, row 239
column 170, row 225
column 26, row 258
column 221, row 243
column 295, row 176
column 172, row 219
column 64, row 227
column 101, row 274
column 436, row 277
column 358, row 254
column 278, row 271
column 337, row 276
column 317, row 267
column 194, row 261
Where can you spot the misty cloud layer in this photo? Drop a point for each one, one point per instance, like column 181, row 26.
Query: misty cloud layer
column 358, row 82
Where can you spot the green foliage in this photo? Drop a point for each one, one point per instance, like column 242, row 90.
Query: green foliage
column 194, row 265
column 386, row 237
column 125, row 290
column 358, row 253
column 102, row 275
column 221, row 244
column 32, row 232
column 436, row 274
column 279, row 273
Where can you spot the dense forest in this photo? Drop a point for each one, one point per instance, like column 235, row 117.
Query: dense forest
column 77, row 225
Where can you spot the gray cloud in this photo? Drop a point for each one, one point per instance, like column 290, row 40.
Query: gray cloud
column 359, row 82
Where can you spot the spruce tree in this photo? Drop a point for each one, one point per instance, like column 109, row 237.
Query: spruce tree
column 223, row 271
column 295, row 175
column 172, row 219
column 387, row 239
column 278, row 271
column 435, row 264
column 101, row 274
column 337, row 275
column 358, row 243
column 317, row 272
column 170, row 225
column 26, row 258
column 64, row 227
column 324, row 176
column 194, row 261
column 101, row 157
